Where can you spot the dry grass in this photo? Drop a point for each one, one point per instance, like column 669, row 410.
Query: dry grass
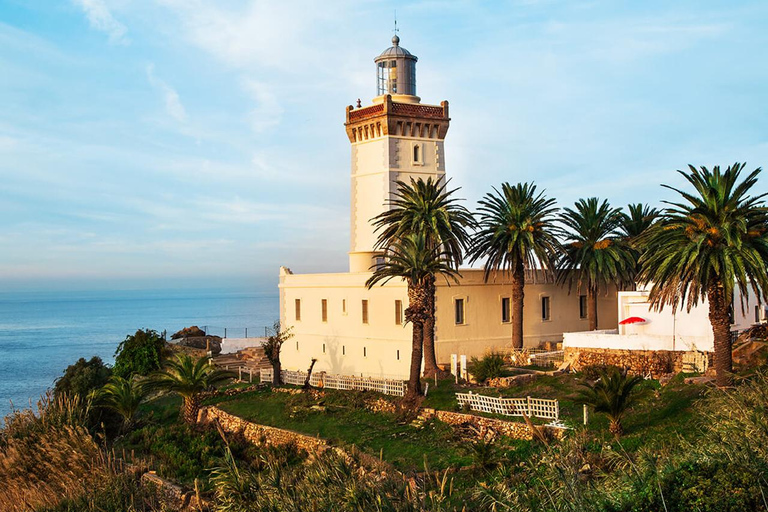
column 49, row 456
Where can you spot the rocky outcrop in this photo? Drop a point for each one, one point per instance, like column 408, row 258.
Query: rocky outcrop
column 212, row 343
column 189, row 332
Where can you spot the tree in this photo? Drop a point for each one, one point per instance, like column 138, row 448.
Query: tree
column 429, row 209
column 272, row 347
column 122, row 396
column 410, row 258
column 83, row 377
column 139, row 354
column 714, row 241
column 517, row 232
column 594, row 255
column 638, row 218
column 613, row 394
column 187, row 377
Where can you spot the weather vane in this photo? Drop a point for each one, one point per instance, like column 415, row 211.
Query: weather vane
column 396, row 29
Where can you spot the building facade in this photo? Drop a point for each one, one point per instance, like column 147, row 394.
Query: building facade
column 353, row 330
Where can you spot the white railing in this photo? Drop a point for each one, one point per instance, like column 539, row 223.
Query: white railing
column 531, row 407
column 344, row 382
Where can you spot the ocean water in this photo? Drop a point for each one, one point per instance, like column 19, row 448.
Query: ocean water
column 41, row 333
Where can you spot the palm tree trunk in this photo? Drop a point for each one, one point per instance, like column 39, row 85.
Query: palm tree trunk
column 518, row 296
column 430, row 357
column 416, row 313
column 592, row 308
column 414, row 381
column 189, row 408
column 721, row 328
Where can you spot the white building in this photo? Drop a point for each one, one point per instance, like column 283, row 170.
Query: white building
column 680, row 331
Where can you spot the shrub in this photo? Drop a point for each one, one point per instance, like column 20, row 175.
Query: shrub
column 489, row 367
column 139, row 354
column 82, row 377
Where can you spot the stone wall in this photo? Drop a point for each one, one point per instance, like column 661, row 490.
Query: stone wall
column 641, row 362
column 490, row 427
column 261, row 434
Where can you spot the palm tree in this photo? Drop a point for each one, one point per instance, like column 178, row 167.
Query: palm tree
column 594, row 255
column 639, row 218
column 613, row 394
column 705, row 247
column 122, row 396
column 430, row 209
column 517, row 232
column 188, row 378
column 412, row 259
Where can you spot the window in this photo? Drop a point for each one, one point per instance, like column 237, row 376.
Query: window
column 379, row 262
column 416, row 154
column 343, row 350
column 398, row 355
column 365, row 352
column 583, row 306
column 298, row 310
column 757, row 314
column 459, row 307
column 323, row 348
column 297, row 345
column 398, row 312
column 365, row 311
column 545, row 309
column 344, row 306
column 505, row 312
column 325, row 309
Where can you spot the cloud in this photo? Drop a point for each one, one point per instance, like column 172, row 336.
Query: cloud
column 267, row 113
column 101, row 19
column 173, row 105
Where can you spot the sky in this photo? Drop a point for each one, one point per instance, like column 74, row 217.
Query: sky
column 185, row 143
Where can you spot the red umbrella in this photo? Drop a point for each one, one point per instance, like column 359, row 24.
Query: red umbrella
column 633, row 320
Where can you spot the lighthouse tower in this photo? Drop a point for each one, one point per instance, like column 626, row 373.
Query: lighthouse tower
column 394, row 139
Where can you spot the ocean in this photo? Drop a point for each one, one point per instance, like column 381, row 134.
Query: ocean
column 41, row 333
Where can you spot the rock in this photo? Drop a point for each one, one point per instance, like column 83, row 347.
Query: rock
column 699, row 380
column 189, row 332
column 212, row 343
column 666, row 378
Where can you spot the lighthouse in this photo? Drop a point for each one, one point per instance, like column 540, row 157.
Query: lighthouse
column 395, row 138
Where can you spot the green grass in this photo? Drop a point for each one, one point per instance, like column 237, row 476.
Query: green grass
column 341, row 419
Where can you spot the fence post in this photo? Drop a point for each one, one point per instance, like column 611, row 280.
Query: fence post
column 529, row 408
column 240, row 373
column 250, row 375
column 586, row 414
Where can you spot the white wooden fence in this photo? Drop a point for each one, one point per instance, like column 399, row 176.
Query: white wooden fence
column 345, row 382
column 531, row 407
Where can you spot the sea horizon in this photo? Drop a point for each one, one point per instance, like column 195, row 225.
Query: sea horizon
column 43, row 332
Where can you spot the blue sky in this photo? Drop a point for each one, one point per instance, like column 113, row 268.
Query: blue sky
column 201, row 143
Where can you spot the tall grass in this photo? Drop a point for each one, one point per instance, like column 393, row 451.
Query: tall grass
column 49, row 457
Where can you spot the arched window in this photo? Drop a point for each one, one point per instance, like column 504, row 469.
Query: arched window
column 416, row 153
